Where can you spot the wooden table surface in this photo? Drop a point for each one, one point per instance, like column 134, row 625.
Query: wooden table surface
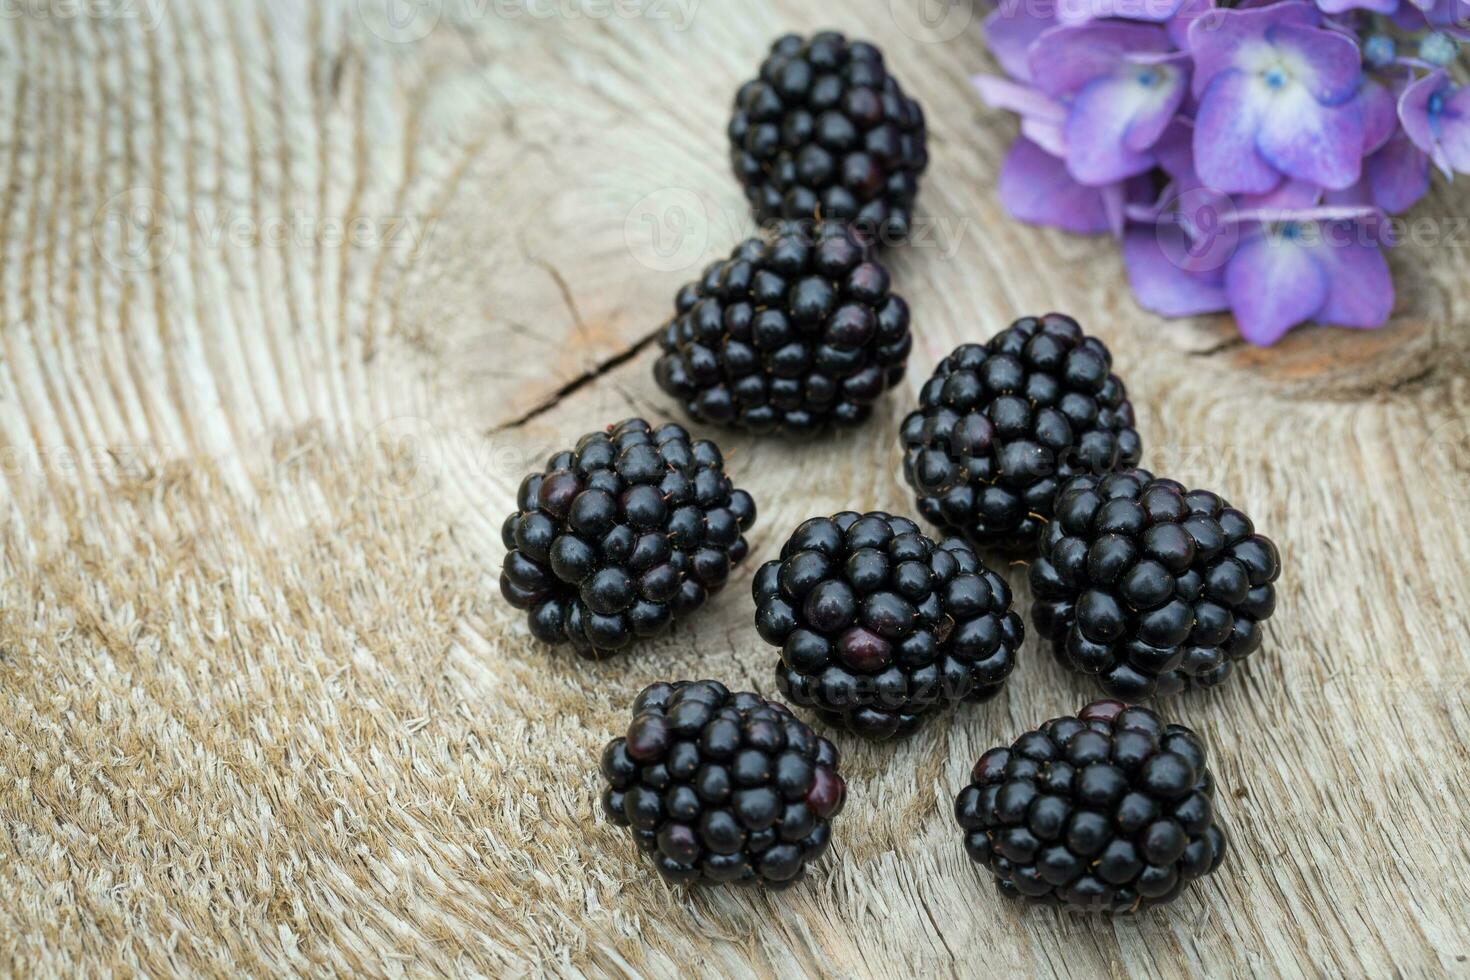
column 293, row 294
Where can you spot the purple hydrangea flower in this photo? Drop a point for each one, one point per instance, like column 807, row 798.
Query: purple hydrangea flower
column 1453, row 16
column 1271, row 274
column 1397, row 175
column 1436, row 116
column 1278, row 98
column 1010, row 30
column 1122, row 87
column 1246, row 158
column 1036, row 187
column 1082, row 11
column 1291, row 272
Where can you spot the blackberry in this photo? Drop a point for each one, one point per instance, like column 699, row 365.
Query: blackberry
column 826, row 132
column 878, row 625
column 1110, row 811
column 789, row 333
column 1001, row 426
column 722, row 787
column 1150, row 586
column 633, row 527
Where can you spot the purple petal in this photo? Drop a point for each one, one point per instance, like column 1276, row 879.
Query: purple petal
column 1047, row 135
column 1159, row 283
column 1081, row 11
column 1312, row 142
column 1156, row 109
column 1009, row 30
column 1397, row 175
column 1414, row 109
column 1289, row 195
column 1067, row 58
column 1114, row 121
column 1342, row 6
column 1274, row 283
column 1326, row 62
column 1359, row 195
column 1359, row 287
column 1380, row 115
column 1216, row 39
column 1230, row 117
column 1454, row 130
column 1035, row 187
column 1178, row 27
column 1023, row 100
column 1452, row 16
column 1175, row 151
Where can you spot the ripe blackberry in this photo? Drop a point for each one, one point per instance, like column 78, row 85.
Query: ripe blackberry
column 1110, row 811
column 878, row 625
column 722, row 787
column 1150, row 586
column 633, row 527
column 826, row 132
column 1001, row 426
column 787, row 334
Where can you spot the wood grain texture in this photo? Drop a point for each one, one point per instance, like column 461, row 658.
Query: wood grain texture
column 292, row 295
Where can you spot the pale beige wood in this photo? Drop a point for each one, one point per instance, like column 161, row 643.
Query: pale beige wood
column 261, row 707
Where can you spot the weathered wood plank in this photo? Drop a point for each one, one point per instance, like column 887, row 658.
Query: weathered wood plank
column 285, row 308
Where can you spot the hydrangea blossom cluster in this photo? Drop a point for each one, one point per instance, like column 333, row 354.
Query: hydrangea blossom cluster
column 1248, row 156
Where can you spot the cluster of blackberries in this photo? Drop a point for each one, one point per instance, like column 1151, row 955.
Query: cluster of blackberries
column 1110, row 811
column 790, row 333
column 826, row 131
column 798, row 329
column 722, row 787
column 1150, row 586
column 878, row 625
column 621, row 534
column 1000, row 426
column 1024, row 444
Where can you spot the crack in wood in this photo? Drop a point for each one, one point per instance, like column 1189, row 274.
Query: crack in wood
column 1220, row 348
column 578, row 383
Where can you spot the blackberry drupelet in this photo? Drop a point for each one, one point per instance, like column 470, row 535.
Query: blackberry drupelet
column 1110, row 811
column 826, row 132
column 878, row 625
column 1150, row 586
column 633, row 527
column 788, row 334
column 1001, row 426
column 722, row 787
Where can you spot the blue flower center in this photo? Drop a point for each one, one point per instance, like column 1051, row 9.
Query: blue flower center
column 1149, row 77
column 1275, row 78
column 1436, row 104
column 1380, row 50
column 1291, row 231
